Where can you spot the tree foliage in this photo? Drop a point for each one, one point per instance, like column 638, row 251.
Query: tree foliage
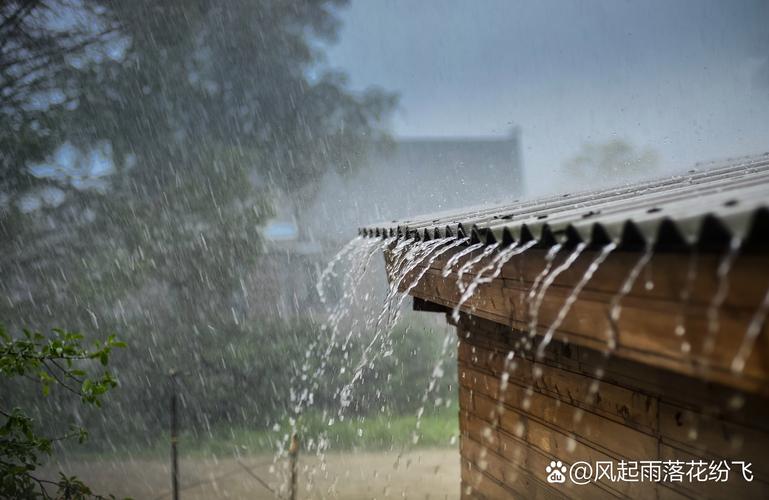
column 38, row 88
column 612, row 160
column 173, row 128
column 57, row 361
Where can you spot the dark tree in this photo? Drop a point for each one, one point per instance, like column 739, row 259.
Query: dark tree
column 202, row 111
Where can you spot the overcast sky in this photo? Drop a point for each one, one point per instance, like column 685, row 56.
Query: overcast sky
column 682, row 77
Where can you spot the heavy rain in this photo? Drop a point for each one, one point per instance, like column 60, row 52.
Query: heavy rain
column 384, row 249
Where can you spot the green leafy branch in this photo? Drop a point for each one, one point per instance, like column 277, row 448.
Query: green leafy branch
column 56, row 360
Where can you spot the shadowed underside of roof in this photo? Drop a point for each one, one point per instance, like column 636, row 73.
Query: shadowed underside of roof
column 707, row 209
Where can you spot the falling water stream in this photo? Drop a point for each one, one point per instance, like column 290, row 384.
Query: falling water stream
column 754, row 329
column 615, row 305
column 572, row 297
column 405, row 257
column 685, row 299
column 534, row 289
column 548, row 280
column 328, row 272
column 495, row 266
column 358, row 255
column 361, row 261
column 390, row 311
column 471, row 263
column 612, row 331
column 429, row 252
column 354, row 258
column 722, row 290
column 407, row 263
column 454, row 259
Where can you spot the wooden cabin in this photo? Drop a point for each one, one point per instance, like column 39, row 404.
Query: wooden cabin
column 661, row 388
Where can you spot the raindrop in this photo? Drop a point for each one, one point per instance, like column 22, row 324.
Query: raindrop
column 571, row 444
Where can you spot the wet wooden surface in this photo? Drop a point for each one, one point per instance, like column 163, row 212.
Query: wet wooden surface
column 675, row 290
column 558, row 408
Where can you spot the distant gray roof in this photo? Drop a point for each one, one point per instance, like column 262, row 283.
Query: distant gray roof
column 417, row 175
column 707, row 207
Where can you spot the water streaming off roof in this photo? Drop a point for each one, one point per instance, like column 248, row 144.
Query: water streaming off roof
column 187, row 175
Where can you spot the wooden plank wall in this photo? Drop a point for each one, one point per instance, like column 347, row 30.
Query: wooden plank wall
column 548, row 412
column 651, row 311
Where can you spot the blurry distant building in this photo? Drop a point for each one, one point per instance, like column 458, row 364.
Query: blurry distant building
column 413, row 175
column 418, row 175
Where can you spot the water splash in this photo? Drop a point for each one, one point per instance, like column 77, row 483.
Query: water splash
column 572, row 298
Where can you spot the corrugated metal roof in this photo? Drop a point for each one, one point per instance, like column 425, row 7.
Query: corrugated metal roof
column 707, row 207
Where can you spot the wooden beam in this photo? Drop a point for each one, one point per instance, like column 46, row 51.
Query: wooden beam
column 427, row 306
column 664, row 320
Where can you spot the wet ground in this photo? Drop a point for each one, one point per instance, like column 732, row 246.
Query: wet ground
column 430, row 473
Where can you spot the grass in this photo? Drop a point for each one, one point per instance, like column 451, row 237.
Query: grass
column 437, row 428
column 380, row 432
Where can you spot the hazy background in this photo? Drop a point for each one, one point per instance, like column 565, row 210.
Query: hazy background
column 181, row 172
column 689, row 79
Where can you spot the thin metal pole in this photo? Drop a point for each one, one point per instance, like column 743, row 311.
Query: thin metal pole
column 293, row 455
column 174, row 438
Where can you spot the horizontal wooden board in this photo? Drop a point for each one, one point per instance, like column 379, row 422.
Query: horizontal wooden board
column 604, row 434
column 717, row 401
column 517, row 431
column 651, row 314
column 538, row 445
column 610, row 400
